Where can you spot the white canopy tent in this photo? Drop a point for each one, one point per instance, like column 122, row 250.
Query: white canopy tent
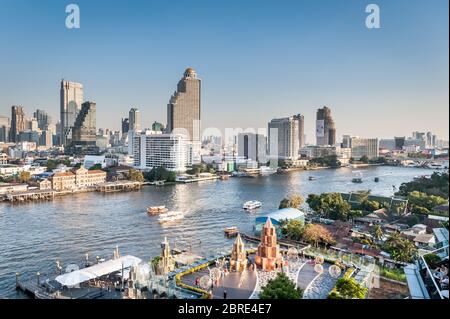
column 114, row 265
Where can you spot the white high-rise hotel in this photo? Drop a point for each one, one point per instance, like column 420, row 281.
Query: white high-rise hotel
column 71, row 98
column 155, row 149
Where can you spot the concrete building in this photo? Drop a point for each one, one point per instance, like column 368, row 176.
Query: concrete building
column 252, row 146
column 325, row 127
column 84, row 132
column 43, row 119
column 155, row 149
column 284, row 138
column 71, row 98
column 184, row 111
column 399, row 142
column 134, row 120
column 4, row 129
column 18, row 123
column 364, row 147
column 82, row 178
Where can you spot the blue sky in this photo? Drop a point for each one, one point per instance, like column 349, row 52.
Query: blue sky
column 258, row 60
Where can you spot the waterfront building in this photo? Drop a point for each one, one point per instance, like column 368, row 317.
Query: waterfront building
column 346, row 141
column 301, row 129
column 184, row 111
column 166, row 261
column 84, row 137
column 62, row 181
column 368, row 147
column 4, row 129
column 417, row 142
column 284, row 138
column 387, row 144
column 268, row 256
column 71, row 98
column 89, row 178
column 7, row 188
column 325, row 127
column 313, row 151
column 156, row 149
column 134, row 120
column 18, row 123
column 238, row 258
column 80, row 179
column 45, row 184
column 252, row 146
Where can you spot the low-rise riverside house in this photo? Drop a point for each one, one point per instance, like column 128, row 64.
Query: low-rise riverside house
column 7, row 188
column 80, row 179
column 154, row 149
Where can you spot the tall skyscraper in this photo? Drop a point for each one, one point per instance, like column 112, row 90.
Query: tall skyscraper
column 135, row 120
column 125, row 126
column 284, row 139
column 183, row 110
column 4, row 128
column 252, row 146
column 43, row 119
column 71, row 98
column 18, row 123
column 325, row 127
column 399, row 142
column 84, row 133
column 301, row 129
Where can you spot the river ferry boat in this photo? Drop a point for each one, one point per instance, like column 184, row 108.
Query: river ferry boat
column 156, row 210
column 170, row 217
column 250, row 205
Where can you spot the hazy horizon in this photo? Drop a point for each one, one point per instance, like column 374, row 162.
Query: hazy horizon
column 258, row 60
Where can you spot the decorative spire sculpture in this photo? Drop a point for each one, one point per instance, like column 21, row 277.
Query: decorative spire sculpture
column 238, row 258
column 166, row 263
column 268, row 256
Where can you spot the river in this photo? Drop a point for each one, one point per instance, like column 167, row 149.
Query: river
column 34, row 235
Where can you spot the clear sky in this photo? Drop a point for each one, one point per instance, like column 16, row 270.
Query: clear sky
column 258, row 60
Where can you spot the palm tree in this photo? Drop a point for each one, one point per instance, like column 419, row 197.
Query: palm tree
column 378, row 232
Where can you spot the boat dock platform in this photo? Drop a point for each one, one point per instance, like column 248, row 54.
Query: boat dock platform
column 118, row 186
column 32, row 195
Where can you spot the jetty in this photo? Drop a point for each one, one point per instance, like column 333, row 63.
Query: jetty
column 119, row 186
column 30, row 195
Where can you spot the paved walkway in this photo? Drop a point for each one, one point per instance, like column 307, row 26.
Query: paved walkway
column 306, row 275
column 321, row 286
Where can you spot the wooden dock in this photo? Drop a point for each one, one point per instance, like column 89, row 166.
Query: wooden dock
column 33, row 195
column 119, row 186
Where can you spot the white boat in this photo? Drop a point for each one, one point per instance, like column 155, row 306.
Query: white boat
column 266, row 170
column 170, row 216
column 252, row 204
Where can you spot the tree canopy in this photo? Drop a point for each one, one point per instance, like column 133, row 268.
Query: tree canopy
column 330, row 205
column 292, row 201
column 348, row 288
column 281, row 287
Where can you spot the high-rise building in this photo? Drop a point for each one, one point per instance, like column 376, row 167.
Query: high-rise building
column 4, row 128
column 284, row 140
column 399, row 142
column 155, row 149
column 71, row 98
column 46, row 139
column 43, row 119
column 125, row 126
column 134, row 120
column 252, row 146
column 84, row 133
column 18, row 123
column 183, row 110
column 325, row 127
column 346, row 141
column 368, row 147
column 32, row 125
column 301, row 129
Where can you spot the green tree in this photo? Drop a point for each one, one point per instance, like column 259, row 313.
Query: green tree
column 135, row 175
column 432, row 260
column 281, row 287
column 348, row 288
column 377, row 232
column 292, row 201
column 400, row 249
column 370, row 205
column 95, row 167
column 24, row 177
column 437, row 184
column 418, row 201
column 364, row 159
column 292, row 229
column 330, row 205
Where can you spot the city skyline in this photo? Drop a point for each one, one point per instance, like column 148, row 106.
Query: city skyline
column 373, row 76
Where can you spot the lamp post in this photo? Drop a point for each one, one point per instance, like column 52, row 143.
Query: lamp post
column 38, row 275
